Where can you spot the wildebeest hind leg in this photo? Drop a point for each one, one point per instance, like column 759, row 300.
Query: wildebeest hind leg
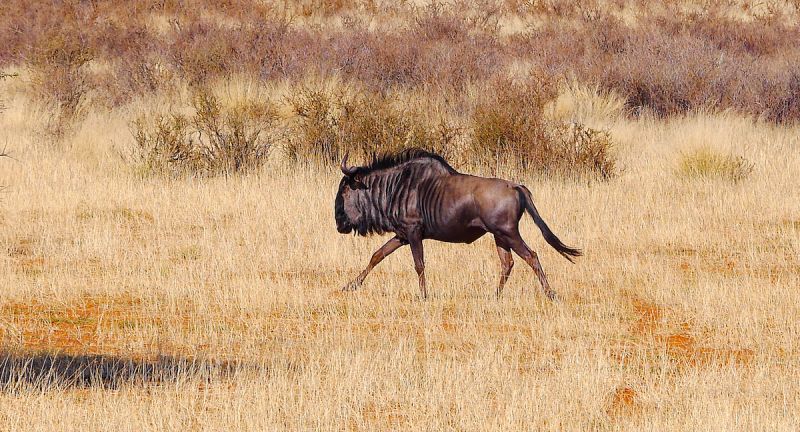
column 506, row 264
column 385, row 250
column 530, row 257
column 419, row 265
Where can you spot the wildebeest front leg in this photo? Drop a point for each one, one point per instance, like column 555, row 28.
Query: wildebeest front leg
column 377, row 257
column 506, row 264
column 419, row 265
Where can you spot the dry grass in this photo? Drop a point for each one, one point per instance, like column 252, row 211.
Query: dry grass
column 175, row 302
column 154, row 303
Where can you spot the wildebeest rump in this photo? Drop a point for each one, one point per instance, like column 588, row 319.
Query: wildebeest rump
column 417, row 195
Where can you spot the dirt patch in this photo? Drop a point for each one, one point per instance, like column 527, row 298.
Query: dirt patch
column 654, row 332
column 623, row 401
column 648, row 316
column 683, row 349
column 82, row 327
column 448, row 326
column 772, row 259
column 725, row 265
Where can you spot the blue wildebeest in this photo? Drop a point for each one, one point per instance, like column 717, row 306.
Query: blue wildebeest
column 417, row 195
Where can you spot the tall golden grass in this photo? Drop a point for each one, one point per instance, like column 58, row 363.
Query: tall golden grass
column 152, row 303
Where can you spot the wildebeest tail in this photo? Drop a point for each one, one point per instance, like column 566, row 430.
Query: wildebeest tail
column 552, row 240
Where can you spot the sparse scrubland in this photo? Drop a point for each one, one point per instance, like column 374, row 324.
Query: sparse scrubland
column 169, row 258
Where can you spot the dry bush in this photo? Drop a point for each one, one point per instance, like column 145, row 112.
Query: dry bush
column 508, row 123
column 333, row 122
column 672, row 62
column 164, row 144
column 785, row 99
column 273, row 49
column 215, row 140
column 510, row 128
column 380, row 61
column 708, row 164
column 437, row 47
column 270, row 49
column 59, row 78
column 201, row 52
column 666, row 58
column 138, row 68
column 583, row 151
column 236, row 138
column 136, row 76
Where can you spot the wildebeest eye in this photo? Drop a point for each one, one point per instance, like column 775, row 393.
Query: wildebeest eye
column 357, row 184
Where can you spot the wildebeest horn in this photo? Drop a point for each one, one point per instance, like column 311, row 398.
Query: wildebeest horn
column 348, row 171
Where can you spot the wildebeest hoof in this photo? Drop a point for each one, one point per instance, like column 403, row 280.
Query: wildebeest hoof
column 552, row 296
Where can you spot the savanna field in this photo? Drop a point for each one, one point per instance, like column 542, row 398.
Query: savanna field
column 169, row 258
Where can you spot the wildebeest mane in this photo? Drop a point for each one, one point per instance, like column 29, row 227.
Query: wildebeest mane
column 390, row 160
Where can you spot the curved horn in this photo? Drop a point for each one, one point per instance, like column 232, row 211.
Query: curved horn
column 348, row 171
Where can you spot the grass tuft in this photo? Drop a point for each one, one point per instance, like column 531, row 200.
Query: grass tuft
column 707, row 164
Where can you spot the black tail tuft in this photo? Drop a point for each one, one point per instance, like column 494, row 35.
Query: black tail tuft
column 565, row 251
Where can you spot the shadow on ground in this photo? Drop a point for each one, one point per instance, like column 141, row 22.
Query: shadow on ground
column 48, row 370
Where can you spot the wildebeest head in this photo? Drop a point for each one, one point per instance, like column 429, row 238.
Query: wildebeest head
column 349, row 215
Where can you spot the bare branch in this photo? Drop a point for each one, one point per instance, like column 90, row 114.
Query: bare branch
column 4, row 153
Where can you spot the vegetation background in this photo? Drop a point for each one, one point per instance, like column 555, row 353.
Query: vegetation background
column 168, row 255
